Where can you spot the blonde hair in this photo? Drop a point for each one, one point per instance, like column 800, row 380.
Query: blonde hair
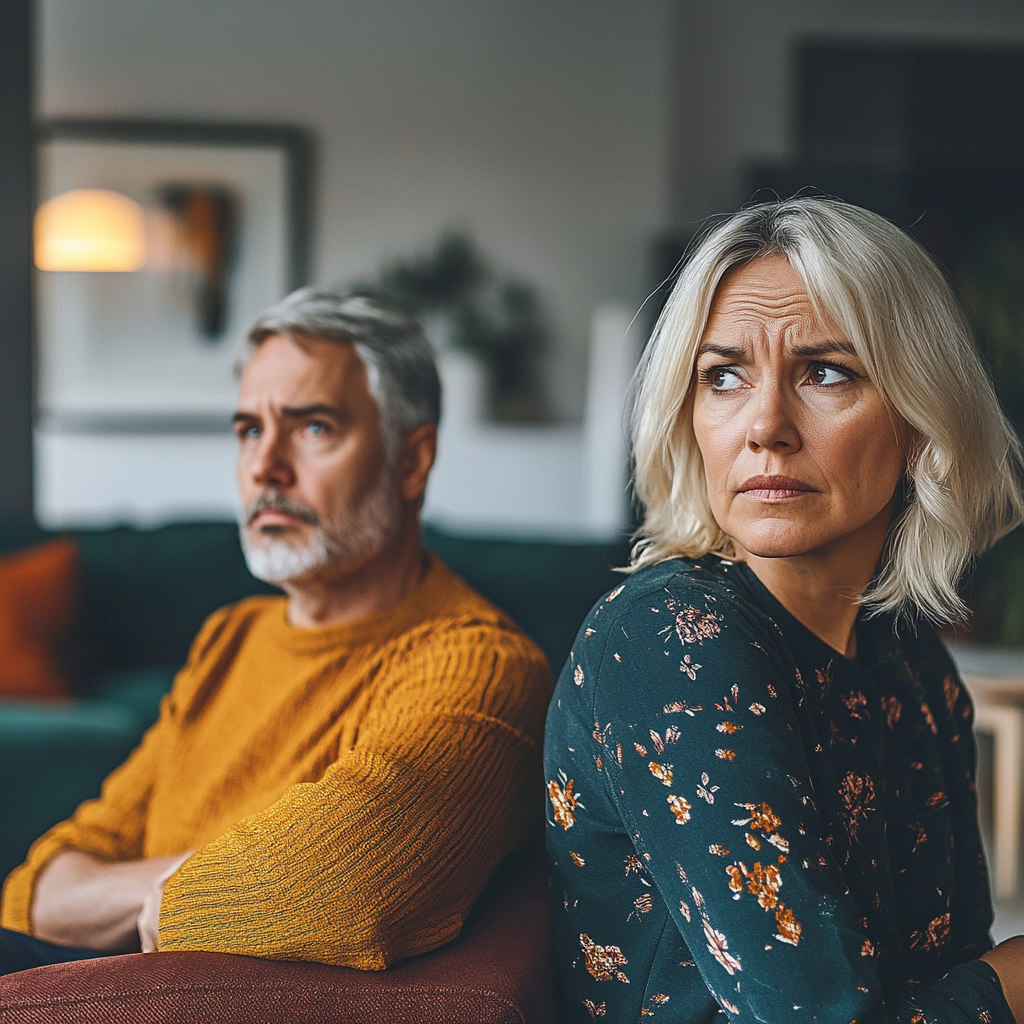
column 878, row 286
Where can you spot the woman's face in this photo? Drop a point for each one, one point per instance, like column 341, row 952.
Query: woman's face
column 800, row 453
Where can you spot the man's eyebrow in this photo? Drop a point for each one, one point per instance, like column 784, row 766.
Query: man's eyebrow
column 294, row 412
column 316, row 409
column 823, row 349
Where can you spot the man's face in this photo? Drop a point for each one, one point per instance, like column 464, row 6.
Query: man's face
column 318, row 496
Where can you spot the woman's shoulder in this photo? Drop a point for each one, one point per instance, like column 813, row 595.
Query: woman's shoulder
column 912, row 645
column 710, row 579
column 697, row 600
column 928, row 663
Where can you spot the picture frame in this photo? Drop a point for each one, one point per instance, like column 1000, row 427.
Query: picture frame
column 226, row 215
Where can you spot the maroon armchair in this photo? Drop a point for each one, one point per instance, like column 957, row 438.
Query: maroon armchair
column 498, row 971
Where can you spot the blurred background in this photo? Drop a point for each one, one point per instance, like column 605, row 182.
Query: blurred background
column 548, row 160
column 524, row 176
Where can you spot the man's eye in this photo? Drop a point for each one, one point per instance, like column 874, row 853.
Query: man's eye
column 317, row 428
column 249, row 433
column 824, row 375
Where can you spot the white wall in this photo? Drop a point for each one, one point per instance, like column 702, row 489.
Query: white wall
column 145, row 479
column 732, row 88
column 538, row 124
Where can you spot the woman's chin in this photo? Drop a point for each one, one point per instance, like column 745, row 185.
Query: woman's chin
column 784, row 543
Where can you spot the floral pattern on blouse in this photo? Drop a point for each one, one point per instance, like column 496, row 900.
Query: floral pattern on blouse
column 742, row 822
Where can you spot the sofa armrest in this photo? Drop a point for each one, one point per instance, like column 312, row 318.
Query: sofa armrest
column 499, row 970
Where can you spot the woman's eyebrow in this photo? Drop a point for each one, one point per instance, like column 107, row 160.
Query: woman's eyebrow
column 823, row 349
column 726, row 351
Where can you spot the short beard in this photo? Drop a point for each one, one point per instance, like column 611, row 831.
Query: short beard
column 346, row 542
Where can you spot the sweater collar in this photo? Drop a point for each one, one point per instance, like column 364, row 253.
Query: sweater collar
column 424, row 602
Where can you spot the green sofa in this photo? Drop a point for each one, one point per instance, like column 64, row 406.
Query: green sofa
column 144, row 594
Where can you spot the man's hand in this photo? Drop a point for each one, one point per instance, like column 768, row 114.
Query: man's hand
column 81, row 900
column 149, row 918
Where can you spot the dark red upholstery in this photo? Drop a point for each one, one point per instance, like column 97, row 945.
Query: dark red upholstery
column 498, row 971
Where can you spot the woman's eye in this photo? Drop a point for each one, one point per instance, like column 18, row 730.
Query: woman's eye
column 824, row 375
column 723, row 378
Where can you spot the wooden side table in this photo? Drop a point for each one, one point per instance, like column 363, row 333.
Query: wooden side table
column 994, row 677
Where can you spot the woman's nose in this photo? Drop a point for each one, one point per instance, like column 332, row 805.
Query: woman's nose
column 771, row 425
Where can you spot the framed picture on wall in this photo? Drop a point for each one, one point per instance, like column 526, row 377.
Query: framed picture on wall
column 157, row 243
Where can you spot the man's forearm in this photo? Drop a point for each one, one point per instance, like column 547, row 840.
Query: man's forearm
column 83, row 901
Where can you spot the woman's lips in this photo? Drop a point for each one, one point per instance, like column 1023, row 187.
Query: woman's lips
column 774, row 488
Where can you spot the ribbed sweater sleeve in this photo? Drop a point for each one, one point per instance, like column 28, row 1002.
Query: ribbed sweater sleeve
column 113, row 826
column 384, row 856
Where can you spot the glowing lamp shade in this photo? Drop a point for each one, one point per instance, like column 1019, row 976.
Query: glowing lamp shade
column 90, row 229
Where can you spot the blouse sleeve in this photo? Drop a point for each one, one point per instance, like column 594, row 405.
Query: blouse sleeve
column 705, row 765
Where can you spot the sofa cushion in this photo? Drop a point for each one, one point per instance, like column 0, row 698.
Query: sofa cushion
column 38, row 611
column 145, row 593
column 52, row 757
column 546, row 586
column 18, row 532
column 498, row 971
column 140, row 690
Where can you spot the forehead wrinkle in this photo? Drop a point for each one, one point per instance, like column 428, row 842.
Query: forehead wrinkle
column 287, row 374
column 761, row 310
column 762, row 302
column 756, row 307
column 744, row 334
column 747, row 326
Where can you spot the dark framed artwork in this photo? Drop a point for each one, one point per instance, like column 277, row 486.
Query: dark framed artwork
column 224, row 213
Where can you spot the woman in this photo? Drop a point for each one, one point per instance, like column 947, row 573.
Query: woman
column 759, row 756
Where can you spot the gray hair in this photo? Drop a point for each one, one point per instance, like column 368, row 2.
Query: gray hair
column 877, row 285
column 399, row 360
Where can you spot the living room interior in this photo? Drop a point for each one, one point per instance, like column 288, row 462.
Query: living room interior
column 566, row 155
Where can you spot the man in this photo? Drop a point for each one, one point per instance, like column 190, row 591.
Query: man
column 335, row 773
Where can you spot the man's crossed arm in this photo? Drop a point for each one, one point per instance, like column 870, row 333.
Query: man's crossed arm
column 81, row 900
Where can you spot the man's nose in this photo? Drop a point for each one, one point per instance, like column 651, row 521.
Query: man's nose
column 272, row 465
column 771, row 425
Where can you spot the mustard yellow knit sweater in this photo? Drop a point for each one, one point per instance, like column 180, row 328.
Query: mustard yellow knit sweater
column 349, row 790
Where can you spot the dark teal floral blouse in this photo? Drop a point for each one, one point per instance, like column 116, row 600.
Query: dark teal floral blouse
column 741, row 820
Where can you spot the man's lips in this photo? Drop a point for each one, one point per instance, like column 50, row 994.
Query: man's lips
column 274, row 517
column 774, row 488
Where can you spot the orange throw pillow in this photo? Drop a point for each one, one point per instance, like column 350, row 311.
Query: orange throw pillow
column 38, row 606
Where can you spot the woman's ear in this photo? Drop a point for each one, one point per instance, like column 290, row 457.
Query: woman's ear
column 419, row 450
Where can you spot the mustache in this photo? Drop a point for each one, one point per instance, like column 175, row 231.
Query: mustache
column 275, row 501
